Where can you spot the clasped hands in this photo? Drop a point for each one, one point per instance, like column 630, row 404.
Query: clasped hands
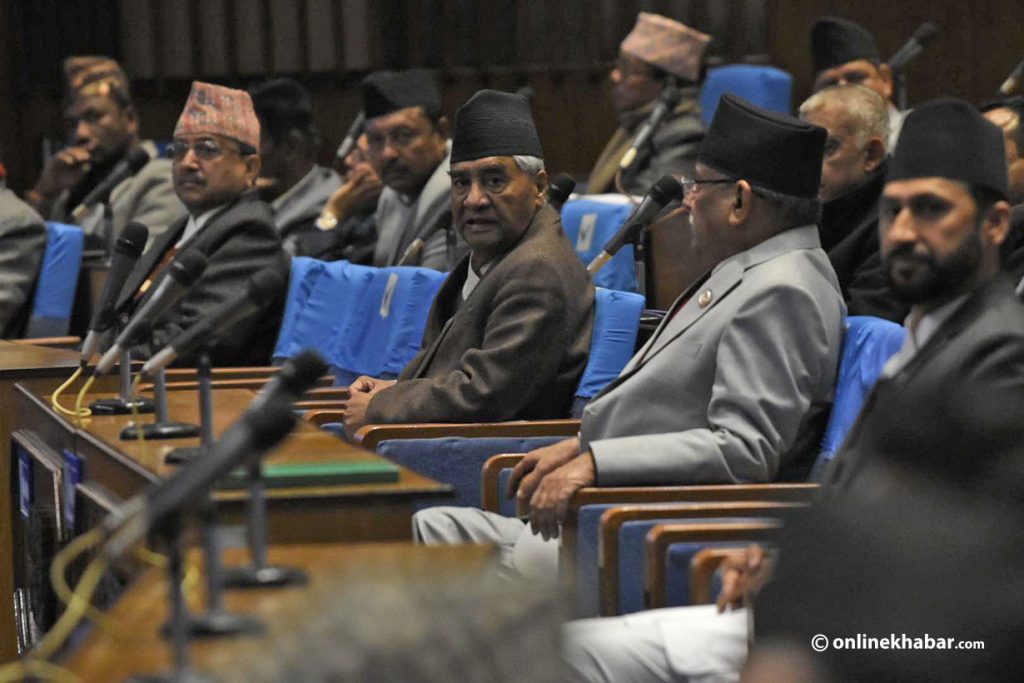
column 360, row 392
column 546, row 479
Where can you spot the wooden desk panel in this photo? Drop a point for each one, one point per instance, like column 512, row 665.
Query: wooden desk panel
column 143, row 608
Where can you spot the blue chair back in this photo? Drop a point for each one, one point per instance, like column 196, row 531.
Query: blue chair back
column 765, row 86
column 385, row 327
column 301, row 280
column 54, row 296
column 589, row 222
column 616, row 321
column 868, row 344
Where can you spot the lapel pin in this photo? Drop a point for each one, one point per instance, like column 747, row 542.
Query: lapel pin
column 704, row 299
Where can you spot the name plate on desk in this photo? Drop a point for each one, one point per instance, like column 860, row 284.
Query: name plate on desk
column 339, row 472
column 74, row 473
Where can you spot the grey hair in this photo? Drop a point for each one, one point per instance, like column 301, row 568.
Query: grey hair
column 529, row 164
column 792, row 211
column 867, row 110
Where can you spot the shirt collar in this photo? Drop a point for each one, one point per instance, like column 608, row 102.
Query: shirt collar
column 919, row 333
column 195, row 224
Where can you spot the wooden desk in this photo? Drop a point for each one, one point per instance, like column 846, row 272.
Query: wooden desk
column 115, row 470
column 143, row 608
column 42, row 370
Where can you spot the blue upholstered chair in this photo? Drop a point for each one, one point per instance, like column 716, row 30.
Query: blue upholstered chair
column 384, row 328
column 765, row 86
column 589, row 222
column 54, row 296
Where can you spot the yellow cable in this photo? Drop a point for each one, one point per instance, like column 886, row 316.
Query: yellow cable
column 81, row 412
column 55, row 397
column 58, row 579
column 38, row 670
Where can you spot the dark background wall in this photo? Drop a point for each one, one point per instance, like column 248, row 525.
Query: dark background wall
column 563, row 49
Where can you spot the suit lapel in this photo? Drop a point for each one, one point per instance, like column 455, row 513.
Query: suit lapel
column 444, row 304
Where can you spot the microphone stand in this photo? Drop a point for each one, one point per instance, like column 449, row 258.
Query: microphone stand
column 177, row 627
column 260, row 574
column 163, row 428
column 124, row 403
column 203, row 372
column 108, row 231
column 899, row 79
column 640, row 260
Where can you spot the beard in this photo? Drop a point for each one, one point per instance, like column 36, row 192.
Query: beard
column 916, row 278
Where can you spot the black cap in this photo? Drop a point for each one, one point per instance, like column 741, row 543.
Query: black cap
column 388, row 91
column 765, row 148
column 494, row 124
column 836, row 41
column 949, row 138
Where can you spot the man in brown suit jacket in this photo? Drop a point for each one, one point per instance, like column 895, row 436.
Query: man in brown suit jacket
column 509, row 331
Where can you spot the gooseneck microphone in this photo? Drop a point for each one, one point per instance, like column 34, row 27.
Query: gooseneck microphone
column 1013, row 81
column 668, row 101
column 560, row 189
column 924, row 34
column 181, row 275
column 260, row 292
column 122, row 171
column 666, row 190
column 351, row 137
column 266, row 422
column 127, row 250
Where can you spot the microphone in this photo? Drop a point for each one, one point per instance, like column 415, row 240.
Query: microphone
column 124, row 170
column 266, row 422
column 559, row 190
column 415, row 247
column 666, row 103
column 181, row 275
column 127, row 250
column 1013, row 81
column 259, row 293
column 924, row 34
column 666, row 190
column 351, row 137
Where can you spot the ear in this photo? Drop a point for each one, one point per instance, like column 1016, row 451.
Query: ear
column 742, row 198
column 133, row 120
column 996, row 225
column 253, row 163
column 886, row 73
column 874, row 154
column 541, row 183
column 443, row 127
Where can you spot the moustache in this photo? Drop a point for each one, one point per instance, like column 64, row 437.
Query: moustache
column 191, row 177
column 906, row 252
column 393, row 166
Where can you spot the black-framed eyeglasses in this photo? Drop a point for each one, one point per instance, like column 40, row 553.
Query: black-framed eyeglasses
column 206, row 149
column 690, row 184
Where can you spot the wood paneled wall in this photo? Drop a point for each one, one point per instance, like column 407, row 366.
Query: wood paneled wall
column 561, row 49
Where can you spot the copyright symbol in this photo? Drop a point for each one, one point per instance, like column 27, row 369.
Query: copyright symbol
column 819, row 643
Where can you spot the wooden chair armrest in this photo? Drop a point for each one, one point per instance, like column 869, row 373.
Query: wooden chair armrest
column 264, row 372
column 702, row 569
column 613, row 519
column 220, row 382
column 371, row 435
column 490, row 496
column 594, row 495
column 322, row 416
column 53, row 342
column 662, row 536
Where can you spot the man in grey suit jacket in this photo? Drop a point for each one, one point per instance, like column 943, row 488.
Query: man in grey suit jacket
column 22, row 244
column 739, row 375
column 508, row 333
column 105, row 130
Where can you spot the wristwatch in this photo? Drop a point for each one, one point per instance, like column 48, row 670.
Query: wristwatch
column 327, row 220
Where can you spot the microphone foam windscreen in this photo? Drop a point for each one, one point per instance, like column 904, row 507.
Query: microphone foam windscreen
column 188, row 267
column 301, row 372
column 133, row 239
column 666, row 189
column 137, row 158
column 265, row 285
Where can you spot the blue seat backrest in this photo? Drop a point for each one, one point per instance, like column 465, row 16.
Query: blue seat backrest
column 54, row 296
column 867, row 346
column 301, row 280
column 616, row 321
column 765, row 86
column 589, row 222
column 385, row 327
column 456, row 460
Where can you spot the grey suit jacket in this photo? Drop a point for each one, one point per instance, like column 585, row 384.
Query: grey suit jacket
column 22, row 244
column 515, row 349
column 147, row 197
column 722, row 390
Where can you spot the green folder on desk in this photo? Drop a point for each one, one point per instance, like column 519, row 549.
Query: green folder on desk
column 331, row 473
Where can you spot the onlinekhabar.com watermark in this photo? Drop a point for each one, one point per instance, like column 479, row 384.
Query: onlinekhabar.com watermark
column 893, row 641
